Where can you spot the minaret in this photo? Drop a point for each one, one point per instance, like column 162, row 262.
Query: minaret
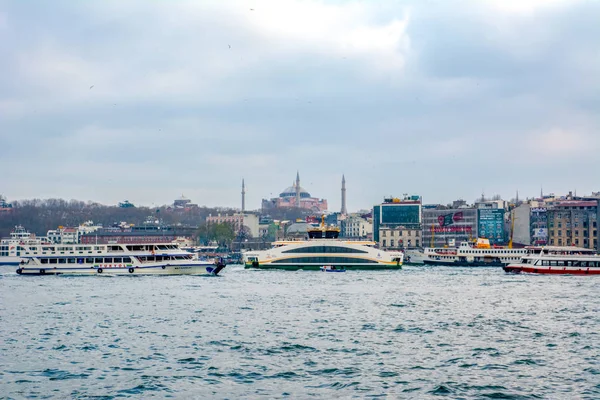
column 297, row 189
column 243, row 196
column 344, row 211
column 517, row 199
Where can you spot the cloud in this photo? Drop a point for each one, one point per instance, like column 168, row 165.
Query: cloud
column 197, row 95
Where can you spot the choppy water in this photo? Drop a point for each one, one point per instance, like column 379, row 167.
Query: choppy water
column 417, row 333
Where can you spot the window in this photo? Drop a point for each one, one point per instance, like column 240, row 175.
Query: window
column 392, row 243
column 325, row 249
column 384, row 243
column 323, row 260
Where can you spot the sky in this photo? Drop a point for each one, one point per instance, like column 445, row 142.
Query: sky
column 148, row 100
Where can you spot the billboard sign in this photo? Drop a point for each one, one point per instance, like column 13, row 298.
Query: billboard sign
column 491, row 224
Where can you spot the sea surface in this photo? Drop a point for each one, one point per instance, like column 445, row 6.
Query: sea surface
column 419, row 333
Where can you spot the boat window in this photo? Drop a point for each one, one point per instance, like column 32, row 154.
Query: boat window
column 127, row 259
column 114, row 248
column 324, row 260
column 62, row 260
column 89, row 260
column 44, row 261
column 71, row 261
column 108, row 260
column 325, row 249
column 98, row 260
column 118, row 260
column 53, row 261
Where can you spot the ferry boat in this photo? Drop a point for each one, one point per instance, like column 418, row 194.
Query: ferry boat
column 17, row 245
column 478, row 254
column 323, row 248
column 116, row 259
column 557, row 260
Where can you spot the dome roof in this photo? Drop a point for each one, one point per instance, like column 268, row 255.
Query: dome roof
column 291, row 192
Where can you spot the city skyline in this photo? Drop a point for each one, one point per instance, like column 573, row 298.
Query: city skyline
column 107, row 101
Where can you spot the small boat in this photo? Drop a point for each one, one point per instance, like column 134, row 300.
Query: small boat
column 557, row 261
column 332, row 268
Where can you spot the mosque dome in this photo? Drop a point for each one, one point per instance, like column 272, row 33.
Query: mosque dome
column 291, row 192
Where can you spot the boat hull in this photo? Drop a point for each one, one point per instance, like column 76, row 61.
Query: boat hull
column 464, row 263
column 551, row 271
column 365, row 267
column 158, row 269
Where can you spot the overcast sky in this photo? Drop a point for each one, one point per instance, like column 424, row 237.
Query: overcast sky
column 148, row 100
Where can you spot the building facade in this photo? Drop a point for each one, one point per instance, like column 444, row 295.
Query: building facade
column 449, row 226
column 539, row 225
column 573, row 223
column 399, row 238
column 356, row 227
column 520, row 221
column 237, row 220
column 395, row 213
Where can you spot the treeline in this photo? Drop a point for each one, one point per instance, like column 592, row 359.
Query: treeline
column 39, row 216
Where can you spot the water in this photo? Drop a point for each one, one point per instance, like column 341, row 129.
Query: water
column 417, row 333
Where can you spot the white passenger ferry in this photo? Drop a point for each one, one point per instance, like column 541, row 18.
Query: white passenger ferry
column 19, row 242
column 478, row 254
column 557, row 260
column 114, row 259
column 323, row 248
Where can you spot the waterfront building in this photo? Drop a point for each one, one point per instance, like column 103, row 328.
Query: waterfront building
column 295, row 196
column 126, row 204
column 521, row 225
column 237, row 220
column 4, row 205
column 449, row 226
column 399, row 237
column 357, row 227
column 539, row 224
column 183, row 203
column 394, row 213
column 573, row 223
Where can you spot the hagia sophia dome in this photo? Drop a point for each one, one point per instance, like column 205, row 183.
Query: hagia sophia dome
column 291, row 192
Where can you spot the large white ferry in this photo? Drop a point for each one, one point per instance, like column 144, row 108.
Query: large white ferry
column 19, row 243
column 478, row 254
column 323, row 248
column 557, row 260
column 114, row 259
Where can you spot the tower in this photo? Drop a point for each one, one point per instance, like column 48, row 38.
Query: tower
column 297, row 189
column 243, row 196
column 344, row 210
